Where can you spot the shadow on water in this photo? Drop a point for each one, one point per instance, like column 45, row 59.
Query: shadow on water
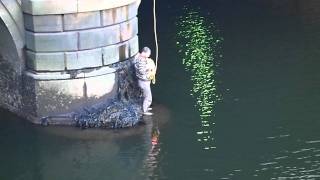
column 162, row 117
column 34, row 152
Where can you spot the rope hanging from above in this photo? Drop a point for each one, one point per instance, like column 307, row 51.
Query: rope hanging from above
column 155, row 37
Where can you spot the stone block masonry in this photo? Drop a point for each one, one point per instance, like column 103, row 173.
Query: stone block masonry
column 71, row 49
column 45, row 7
column 83, row 59
column 59, row 42
column 52, row 42
column 78, row 21
column 76, row 60
column 42, row 61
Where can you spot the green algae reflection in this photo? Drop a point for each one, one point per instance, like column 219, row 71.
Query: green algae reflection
column 199, row 44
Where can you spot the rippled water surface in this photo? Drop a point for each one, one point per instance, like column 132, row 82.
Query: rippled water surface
column 237, row 97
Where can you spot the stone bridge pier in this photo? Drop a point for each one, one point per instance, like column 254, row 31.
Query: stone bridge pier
column 57, row 56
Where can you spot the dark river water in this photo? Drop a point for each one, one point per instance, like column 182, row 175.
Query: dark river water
column 237, row 97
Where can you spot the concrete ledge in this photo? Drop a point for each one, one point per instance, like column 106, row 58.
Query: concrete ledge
column 65, row 75
column 46, row 7
column 48, row 23
column 45, row 61
column 65, row 96
column 52, row 42
column 83, row 59
column 81, row 20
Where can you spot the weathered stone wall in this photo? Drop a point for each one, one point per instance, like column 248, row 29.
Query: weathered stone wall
column 70, row 48
column 11, row 15
column 62, row 42
column 10, row 74
column 11, row 55
column 69, row 51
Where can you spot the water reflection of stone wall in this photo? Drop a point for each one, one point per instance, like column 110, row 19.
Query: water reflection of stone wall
column 60, row 157
column 199, row 46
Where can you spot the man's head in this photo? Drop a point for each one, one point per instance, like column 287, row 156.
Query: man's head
column 146, row 52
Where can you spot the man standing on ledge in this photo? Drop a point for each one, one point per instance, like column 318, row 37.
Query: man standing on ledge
column 145, row 72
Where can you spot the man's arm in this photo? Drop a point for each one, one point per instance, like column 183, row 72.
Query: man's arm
column 136, row 56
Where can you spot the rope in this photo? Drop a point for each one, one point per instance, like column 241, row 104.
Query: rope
column 156, row 39
column 155, row 32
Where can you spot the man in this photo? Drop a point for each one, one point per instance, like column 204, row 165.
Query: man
column 145, row 72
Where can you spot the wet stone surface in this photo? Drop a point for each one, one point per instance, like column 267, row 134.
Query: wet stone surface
column 118, row 114
column 121, row 112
